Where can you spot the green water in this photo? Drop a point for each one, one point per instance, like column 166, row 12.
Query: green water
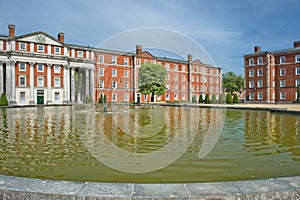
column 67, row 142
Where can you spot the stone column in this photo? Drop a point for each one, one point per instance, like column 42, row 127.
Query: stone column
column 31, row 76
column 13, row 84
column 92, row 84
column 66, row 84
column 79, row 86
column 49, row 90
column 87, row 83
column 72, row 85
column 1, row 78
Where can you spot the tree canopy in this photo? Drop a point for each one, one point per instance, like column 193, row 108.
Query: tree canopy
column 232, row 82
column 152, row 79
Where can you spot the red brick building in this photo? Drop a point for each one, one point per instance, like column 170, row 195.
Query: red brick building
column 37, row 68
column 272, row 76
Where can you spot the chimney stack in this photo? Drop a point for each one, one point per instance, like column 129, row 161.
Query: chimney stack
column 61, row 37
column 256, row 49
column 11, row 30
column 190, row 58
column 296, row 44
column 139, row 49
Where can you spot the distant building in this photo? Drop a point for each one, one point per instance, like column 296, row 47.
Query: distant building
column 37, row 68
column 272, row 76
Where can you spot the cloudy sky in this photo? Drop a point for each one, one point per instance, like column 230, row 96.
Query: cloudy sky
column 227, row 29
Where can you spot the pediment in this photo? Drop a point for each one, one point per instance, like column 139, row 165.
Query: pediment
column 197, row 62
column 40, row 37
column 146, row 54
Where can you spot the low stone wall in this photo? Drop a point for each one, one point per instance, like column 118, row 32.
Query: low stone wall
column 37, row 189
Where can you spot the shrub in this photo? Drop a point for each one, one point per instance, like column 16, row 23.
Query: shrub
column 213, row 99
column 235, row 98
column 207, row 100
column 229, row 98
column 3, row 100
column 298, row 93
column 221, row 98
column 200, row 99
column 194, row 99
column 104, row 99
column 100, row 99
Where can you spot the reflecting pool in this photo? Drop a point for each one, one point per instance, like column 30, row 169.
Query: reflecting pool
column 148, row 144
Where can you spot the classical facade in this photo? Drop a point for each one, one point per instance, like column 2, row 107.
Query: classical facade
column 37, row 68
column 272, row 76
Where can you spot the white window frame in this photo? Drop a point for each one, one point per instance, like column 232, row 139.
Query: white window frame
column 101, row 84
column 297, row 82
column 56, row 69
column 40, row 81
column 251, row 84
column 57, row 50
column 259, row 72
column 282, row 83
column 251, row 61
column 101, row 59
column 259, row 83
column 183, row 97
column 126, row 61
column 126, row 97
column 56, row 97
column 138, row 62
column 282, row 95
column 145, row 61
column 167, row 97
column 40, row 48
column 175, row 77
column 21, row 65
column 126, row 85
column 167, row 77
column 80, row 54
column 175, row 67
column 114, row 84
column 183, row 87
column 22, row 46
column 167, row 66
column 259, row 96
column 101, row 72
column 114, row 60
column 22, row 79
column 259, row 60
column 251, row 95
column 297, row 58
column 297, row 70
column 183, row 77
column 282, row 60
column 57, row 82
column 251, row 73
column 126, row 72
column 114, row 73
column 282, row 72
column 114, row 97
column 22, row 97
column 40, row 69
column 182, row 68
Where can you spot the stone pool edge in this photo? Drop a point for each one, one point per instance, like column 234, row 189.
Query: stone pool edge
column 31, row 188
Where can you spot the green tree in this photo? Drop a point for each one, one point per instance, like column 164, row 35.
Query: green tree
column 221, row 98
column 235, row 98
column 100, row 99
column 298, row 93
column 152, row 79
column 232, row 82
column 3, row 100
column 207, row 100
column 201, row 98
column 104, row 98
column 213, row 99
column 229, row 98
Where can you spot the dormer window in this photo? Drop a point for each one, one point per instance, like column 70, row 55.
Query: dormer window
column 22, row 46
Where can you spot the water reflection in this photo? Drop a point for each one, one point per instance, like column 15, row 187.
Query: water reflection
column 183, row 143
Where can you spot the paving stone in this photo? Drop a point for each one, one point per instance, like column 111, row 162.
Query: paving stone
column 221, row 190
column 160, row 191
column 93, row 191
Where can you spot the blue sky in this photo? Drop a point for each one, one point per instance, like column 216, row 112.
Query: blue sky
column 227, row 29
